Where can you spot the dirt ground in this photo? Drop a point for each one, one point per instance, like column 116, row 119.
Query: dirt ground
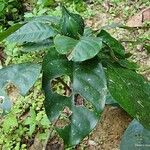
column 106, row 135
column 109, row 130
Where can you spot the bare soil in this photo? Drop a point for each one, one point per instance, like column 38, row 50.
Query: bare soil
column 106, row 136
column 109, row 130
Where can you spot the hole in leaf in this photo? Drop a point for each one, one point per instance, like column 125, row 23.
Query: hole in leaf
column 12, row 91
column 78, row 100
column 62, row 85
column 88, row 105
column 67, row 112
column 64, row 118
column 54, row 143
column 2, row 99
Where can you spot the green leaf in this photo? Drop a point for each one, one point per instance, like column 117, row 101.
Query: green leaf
column 2, row 6
column 110, row 100
column 72, row 25
column 127, row 64
column 9, row 31
column 32, row 47
column 23, row 76
column 47, row 19
column 131, row 91
column 88, row 32
column 31, row 121
column 10, row 122
column 88, row 80
column 32, row 32
column 136, row 137
column 47, row 3
column 78, row 50
column 112, row 43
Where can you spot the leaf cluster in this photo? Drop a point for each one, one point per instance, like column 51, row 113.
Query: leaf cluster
column 10, row 11
column 97, row 66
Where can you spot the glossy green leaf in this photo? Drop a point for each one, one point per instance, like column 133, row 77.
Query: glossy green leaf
column 78, row 50
column 131, row 91
column 136, row 137
column 23, row 76
column 112, row 43
column 9, row 31
column 32, row 32
column 88, row 80
column 32, row 47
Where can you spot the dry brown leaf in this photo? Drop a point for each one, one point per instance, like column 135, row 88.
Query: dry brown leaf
column 138, row 19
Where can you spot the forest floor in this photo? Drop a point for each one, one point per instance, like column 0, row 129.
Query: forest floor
column 114, row 121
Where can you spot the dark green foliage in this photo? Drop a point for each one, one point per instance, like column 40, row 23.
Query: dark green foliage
column 72, row 25
column 112, row 43
column 78, row 50
column 85, row 57
column 88, row 82
column 131, row 91
column 10, row 11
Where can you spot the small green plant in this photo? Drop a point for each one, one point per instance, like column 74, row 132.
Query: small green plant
column 79, row 5
column 10, row 11
column 91, row 68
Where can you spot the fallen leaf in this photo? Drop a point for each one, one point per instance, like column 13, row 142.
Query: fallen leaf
column 138, row 19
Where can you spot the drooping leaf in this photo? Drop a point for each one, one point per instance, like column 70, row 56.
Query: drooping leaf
column 32, row 47
column 71, row 25
column 136, row 137
column 78, row 50
column 131, row 91
column 32, row 32
column 9, row 31
column 112, row 43
column 23, row 76
column 88, row 80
